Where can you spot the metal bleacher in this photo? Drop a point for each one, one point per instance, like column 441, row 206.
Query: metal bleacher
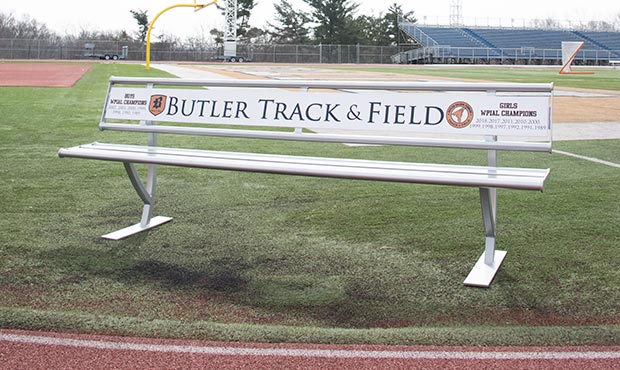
column 505, row 45
column 605, row 40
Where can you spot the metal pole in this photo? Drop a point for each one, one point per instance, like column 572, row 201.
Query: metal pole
column 148, row 34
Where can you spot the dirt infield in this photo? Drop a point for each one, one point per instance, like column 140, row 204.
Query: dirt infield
column 41, row 74
column 586, row 109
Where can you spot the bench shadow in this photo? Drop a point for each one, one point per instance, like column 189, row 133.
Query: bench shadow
column 221, row 275
column 77, row 265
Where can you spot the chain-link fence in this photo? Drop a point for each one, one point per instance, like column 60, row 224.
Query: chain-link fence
column 272, row 53
column 353, row 54
column 64, row 50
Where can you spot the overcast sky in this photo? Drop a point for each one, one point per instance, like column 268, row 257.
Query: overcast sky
column 72, row 16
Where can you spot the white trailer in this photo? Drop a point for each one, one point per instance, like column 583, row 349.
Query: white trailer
column 89, row 52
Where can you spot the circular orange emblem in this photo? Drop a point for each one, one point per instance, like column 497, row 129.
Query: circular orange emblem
column 460, row 114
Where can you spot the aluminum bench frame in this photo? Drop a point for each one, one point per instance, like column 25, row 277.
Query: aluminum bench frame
column 487, row 178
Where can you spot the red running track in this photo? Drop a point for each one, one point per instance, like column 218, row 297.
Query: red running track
column 37, row 350
column 41, row 74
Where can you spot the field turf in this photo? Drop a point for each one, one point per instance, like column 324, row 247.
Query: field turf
column 257, row 257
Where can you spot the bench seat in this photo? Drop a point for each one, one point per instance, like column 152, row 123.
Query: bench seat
column 424, row 173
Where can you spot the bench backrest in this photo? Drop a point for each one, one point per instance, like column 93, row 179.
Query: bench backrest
column 494, row 116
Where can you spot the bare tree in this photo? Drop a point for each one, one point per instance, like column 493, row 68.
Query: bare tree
column 548, row 23
column 26, row 28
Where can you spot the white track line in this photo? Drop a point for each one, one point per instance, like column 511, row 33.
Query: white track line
column 314, row 353
column 591, row 159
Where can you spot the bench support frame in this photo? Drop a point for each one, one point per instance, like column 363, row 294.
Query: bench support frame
column 137, row 228
column 146, row 193
column 489, row 263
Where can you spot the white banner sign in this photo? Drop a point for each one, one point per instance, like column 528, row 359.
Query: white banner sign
column 413, row 112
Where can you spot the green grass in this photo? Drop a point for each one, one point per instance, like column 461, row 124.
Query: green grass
column 605, row 79
column 279, row 258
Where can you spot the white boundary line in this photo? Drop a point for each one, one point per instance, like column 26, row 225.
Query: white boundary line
column 591, row 159
column 315, row 353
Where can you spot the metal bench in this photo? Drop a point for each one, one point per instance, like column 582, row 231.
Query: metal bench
column 450, row 115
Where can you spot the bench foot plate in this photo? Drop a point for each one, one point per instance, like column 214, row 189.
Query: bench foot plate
column 482, row 274
column 131, row 230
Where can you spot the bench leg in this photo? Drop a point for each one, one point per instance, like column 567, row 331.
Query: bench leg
column 147, row 194
column 488, row 264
